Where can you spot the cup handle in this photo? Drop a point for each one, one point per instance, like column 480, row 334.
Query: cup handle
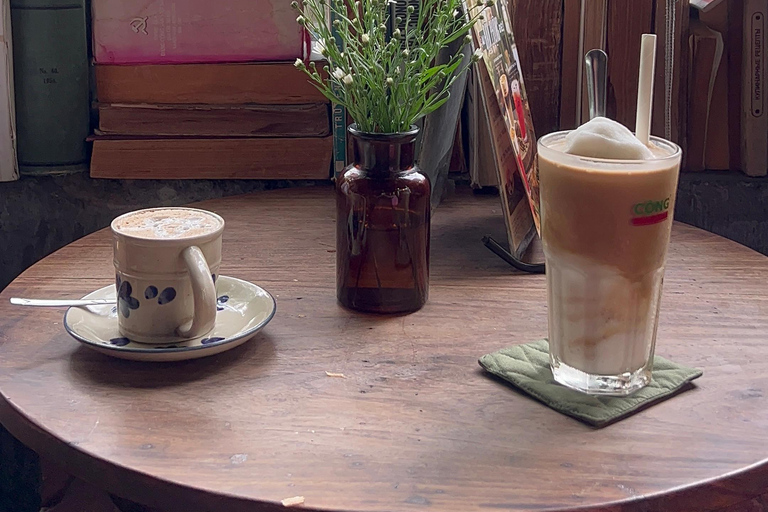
column 203, row 292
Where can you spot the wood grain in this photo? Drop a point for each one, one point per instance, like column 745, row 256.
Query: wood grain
column 625, row 29
column 536, row 25
column 416, row 425
column 212, row 158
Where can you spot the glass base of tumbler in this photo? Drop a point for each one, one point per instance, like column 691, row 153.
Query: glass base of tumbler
column 607, row 385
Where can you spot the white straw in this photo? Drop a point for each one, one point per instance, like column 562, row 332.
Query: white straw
column 645, row 88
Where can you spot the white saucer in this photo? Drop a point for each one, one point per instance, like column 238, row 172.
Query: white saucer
column 243, row 310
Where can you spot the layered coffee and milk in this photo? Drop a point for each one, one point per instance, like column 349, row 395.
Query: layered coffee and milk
column 606, row 206
column 167, row 223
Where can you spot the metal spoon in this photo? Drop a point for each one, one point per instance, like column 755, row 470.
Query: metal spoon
column 61, row 302
column 596, row 62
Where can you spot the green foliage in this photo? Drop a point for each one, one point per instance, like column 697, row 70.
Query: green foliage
column 386, row 81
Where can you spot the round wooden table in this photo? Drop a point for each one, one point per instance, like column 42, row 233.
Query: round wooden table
column 416, row 424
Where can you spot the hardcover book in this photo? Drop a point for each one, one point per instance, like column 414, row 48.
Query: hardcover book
column 190, row 31
column 250, row 120
column 9, row 168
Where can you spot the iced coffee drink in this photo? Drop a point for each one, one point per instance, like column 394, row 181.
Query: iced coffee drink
column 606, row 215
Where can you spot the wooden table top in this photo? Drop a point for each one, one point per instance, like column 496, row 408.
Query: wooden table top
column 416, row 424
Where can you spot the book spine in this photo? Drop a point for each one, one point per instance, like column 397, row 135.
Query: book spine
column 670, row 104
column 51, row 85
column 220, row 84
column 9, row 167
column 734, row 45
column 194, row 31
column 212, row 158
column 754, row 120
column 593, row 33
column 571, row 57
column 339, row 116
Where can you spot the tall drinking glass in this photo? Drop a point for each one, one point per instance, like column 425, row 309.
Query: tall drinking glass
column 605, row 229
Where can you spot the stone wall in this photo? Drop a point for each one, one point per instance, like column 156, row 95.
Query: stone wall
column 727, row 203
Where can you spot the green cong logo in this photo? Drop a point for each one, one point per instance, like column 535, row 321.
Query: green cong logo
column 649, row 212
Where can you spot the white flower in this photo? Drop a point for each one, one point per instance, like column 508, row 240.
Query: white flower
column 299, row 63
column 478, row 54
column 397, row 70
column 455, row 13
column 406, row 52
column 366, row 38
column 396, row 33
column 390, row 82
column 347, row 80
column 338, row 73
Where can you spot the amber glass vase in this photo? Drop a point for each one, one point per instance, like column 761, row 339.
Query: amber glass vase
column 382, row 212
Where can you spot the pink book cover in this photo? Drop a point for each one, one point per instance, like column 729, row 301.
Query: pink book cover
column 195, row 31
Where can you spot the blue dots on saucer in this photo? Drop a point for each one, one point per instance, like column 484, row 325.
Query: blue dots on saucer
column 221, row 300
column 120, row 342
column 212, row 339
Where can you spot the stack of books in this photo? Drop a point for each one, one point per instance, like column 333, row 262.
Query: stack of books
column 611, row 26
column 728, row 118
column 201, row 89
column 709, row 92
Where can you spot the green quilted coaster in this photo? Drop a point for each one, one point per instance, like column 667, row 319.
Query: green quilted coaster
column 527, row 367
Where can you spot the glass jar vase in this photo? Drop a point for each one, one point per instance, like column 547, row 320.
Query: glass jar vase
column 383, row 216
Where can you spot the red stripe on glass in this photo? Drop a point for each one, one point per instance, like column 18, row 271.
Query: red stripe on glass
column 651, row 219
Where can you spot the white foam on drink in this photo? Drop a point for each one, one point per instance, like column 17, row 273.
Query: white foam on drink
column 601, row 137
column 167, row 223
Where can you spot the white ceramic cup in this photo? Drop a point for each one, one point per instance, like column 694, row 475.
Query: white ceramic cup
column 166, row 262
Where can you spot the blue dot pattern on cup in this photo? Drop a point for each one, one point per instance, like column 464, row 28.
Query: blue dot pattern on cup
column 166, row 296
column 125, row 303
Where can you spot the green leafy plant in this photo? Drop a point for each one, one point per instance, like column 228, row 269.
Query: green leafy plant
column 387, row 78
